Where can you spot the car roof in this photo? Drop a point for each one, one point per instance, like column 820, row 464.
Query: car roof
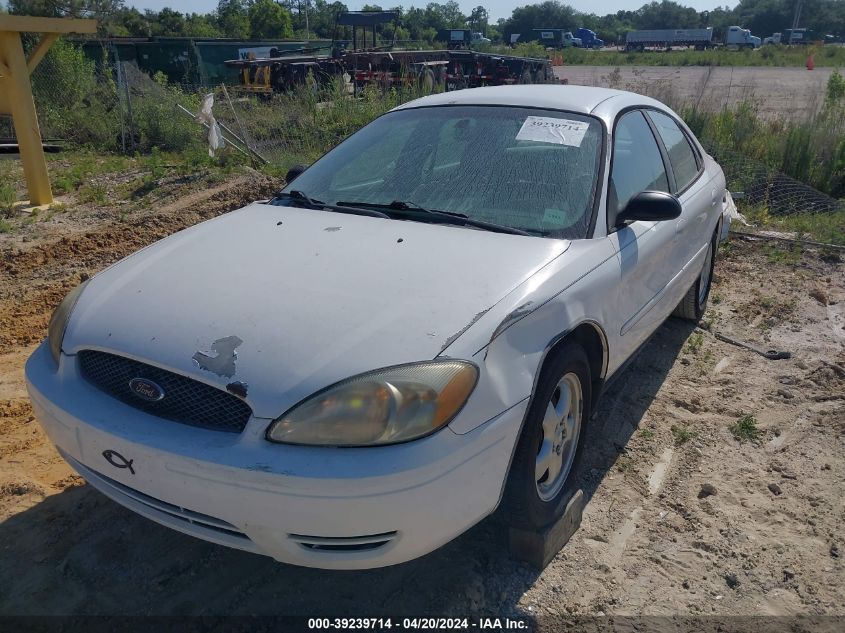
column 583, row 99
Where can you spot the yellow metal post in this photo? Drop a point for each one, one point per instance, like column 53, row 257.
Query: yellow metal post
column 16, row 90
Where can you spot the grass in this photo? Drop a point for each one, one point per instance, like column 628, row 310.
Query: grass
column 784, row 255
column 8, row 197
column 773, row 55
column 828, row 228
column 745, row 429
column 69, row 172
column 5, row 227
column 94, row 192
column 682, row 435
column 694, row 342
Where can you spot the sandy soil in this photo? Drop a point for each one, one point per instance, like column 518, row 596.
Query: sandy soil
column 767, row 539
column 794, row 93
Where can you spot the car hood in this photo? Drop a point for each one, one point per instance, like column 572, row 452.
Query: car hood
column 288, row 301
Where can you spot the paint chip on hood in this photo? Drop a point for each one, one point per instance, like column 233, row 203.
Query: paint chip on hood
column 221, row 359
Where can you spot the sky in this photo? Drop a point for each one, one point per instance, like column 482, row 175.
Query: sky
column 496, row 8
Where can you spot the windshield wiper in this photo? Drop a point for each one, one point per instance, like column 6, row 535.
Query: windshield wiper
column 302, row 198
column 451, row 216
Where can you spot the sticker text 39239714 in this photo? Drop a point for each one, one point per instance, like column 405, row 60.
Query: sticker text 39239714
column 549, row 130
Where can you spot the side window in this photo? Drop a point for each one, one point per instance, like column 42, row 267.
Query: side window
column 637, row 164
column 681, row 154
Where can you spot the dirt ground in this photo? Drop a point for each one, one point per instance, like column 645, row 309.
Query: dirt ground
column 683, row 517
column 792, row 93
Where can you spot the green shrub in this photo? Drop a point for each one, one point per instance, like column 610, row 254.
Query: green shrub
column 8, row 197
column 835, row 88
column 745, row 429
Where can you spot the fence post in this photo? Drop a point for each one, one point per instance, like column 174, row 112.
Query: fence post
column 128, row 94
column 121, row 81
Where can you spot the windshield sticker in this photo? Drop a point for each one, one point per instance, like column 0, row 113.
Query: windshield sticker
column 548, row 130
column 553, row 217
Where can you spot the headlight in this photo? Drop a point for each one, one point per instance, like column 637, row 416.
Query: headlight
column 386, row 406
column 58, row 322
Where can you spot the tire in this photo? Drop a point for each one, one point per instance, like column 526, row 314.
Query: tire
column 533, row 500
column 526, row 78
column 694, row 303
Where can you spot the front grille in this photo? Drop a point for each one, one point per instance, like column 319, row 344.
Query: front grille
column 186, row 400
column 123, row 492
column 343, row 543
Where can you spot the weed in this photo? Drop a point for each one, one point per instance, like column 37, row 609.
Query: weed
column 5, row 227
column 647, row 434
column 835, row 91
column 682, row 434
column 94, row 193
column 726, row 249
column 8, row 197
column 745, row 429
column 694, row 342
column 624, row 464
column 789, row 256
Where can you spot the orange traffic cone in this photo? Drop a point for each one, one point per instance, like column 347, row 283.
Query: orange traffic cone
column 810, row 63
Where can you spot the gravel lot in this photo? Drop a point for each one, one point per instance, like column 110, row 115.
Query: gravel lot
column 683, row 518
column 776, row 92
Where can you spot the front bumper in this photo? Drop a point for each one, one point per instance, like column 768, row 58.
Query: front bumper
column 318, row 507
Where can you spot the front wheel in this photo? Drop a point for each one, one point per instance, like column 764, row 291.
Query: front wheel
column 541, row 481
column 694, row 303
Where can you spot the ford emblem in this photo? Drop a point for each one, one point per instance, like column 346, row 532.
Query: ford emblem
column 146, row 389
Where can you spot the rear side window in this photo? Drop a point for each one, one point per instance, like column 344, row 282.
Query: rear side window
column 637, row 164
column 681, row 154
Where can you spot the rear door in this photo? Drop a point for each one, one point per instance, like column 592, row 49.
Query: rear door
column 699, row 198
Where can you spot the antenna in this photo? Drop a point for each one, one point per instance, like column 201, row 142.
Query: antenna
column 795, row 19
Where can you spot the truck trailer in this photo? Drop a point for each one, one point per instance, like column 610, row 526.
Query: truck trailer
column 362, row 61
column 667, row 38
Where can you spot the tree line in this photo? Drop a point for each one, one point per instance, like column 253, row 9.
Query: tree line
column 306, row 19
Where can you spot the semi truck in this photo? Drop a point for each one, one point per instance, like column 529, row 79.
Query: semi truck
column 588, row 38
column 742, row 38
column 701, row 39
column 363, row 60
column 799, row 36
column 461, row 38
column 555, row 38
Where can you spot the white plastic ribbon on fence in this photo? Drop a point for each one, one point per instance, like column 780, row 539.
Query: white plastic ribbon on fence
column 205, row 115
column 733, row 213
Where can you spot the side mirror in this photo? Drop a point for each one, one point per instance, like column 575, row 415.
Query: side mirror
column 650, row 206
column 294, row 172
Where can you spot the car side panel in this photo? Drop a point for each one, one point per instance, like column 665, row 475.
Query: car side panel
column 580, row 286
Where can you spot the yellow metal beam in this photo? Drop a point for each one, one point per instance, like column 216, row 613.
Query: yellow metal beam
column 40, row 50
column 16, row 90
column 29, row 24
column 18, row 94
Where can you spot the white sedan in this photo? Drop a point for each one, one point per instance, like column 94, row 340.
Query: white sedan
column 414, row 332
